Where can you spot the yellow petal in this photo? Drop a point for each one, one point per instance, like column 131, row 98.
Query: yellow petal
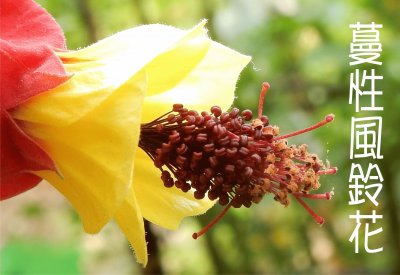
column 211, row 82
column 160, row 205
column 130, row 220
column 68, row 103
column 158, row 47
column 112, row 61
column 95, row 153
column 170, row 67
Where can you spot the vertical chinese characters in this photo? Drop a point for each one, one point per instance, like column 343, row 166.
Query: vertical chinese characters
column 365, row 185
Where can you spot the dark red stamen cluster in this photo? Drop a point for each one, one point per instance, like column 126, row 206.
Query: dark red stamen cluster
column 208, row 152
column 224, row 156
column 220, row 155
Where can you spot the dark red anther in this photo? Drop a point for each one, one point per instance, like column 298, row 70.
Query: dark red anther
column 197, row 155
column 181, row 149
column 248, row 171
column 174, row 137
column 159, row 128
column 247, row 115
column 216, row 111
column 185, row 187
column 213, row 161
column 235, row 122
column 183, row 112
column 231, row 152
column 209, row 147
column 224, row 117
column 215, row 130
column 177, row 107
column 209, row 172
column 247, row 203
column 244, row 151
column 169, row 183
column 194, row 179
column 199, row 195
column 188, row 129
column 226, row 187
column 223, row 199
column 187, row 138
column 193, row 113
column 218, row 180
column 204, row 181
column 179, row 183
column 199, row 121
column 234, row 112
column 257, row 134
column 181, row 160
column 240, row 163
column 256, row 158
column 165, row 175
column 158, row 162
column 234, row 143
column 193, row 165
column 241, row 190
column 221, row 131
column 181, row 174
column 208, row 117
column 247, row 129
column 171, row 118
column 201, row 137
column 166, row 147
column 243, row 140
column 220, row 152
column 212, row 195
column 229, row 168
column 264, row 120
column 224, row 141
column 210, row 124
column 190, row 119
column 236, row 202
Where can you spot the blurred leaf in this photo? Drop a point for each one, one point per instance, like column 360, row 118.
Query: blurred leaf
column 34, row 257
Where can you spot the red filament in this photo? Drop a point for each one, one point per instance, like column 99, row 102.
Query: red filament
column 324, row 196
column 264, row 90
column 329, row 171
column 320, row 220
column 212, row 223
column 328, row 118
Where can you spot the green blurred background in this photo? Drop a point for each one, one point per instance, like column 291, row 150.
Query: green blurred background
column 301, row 48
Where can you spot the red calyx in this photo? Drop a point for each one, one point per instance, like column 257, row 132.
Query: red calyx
column 29, row 66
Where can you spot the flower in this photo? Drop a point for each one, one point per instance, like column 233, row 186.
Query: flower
column 89, row 125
